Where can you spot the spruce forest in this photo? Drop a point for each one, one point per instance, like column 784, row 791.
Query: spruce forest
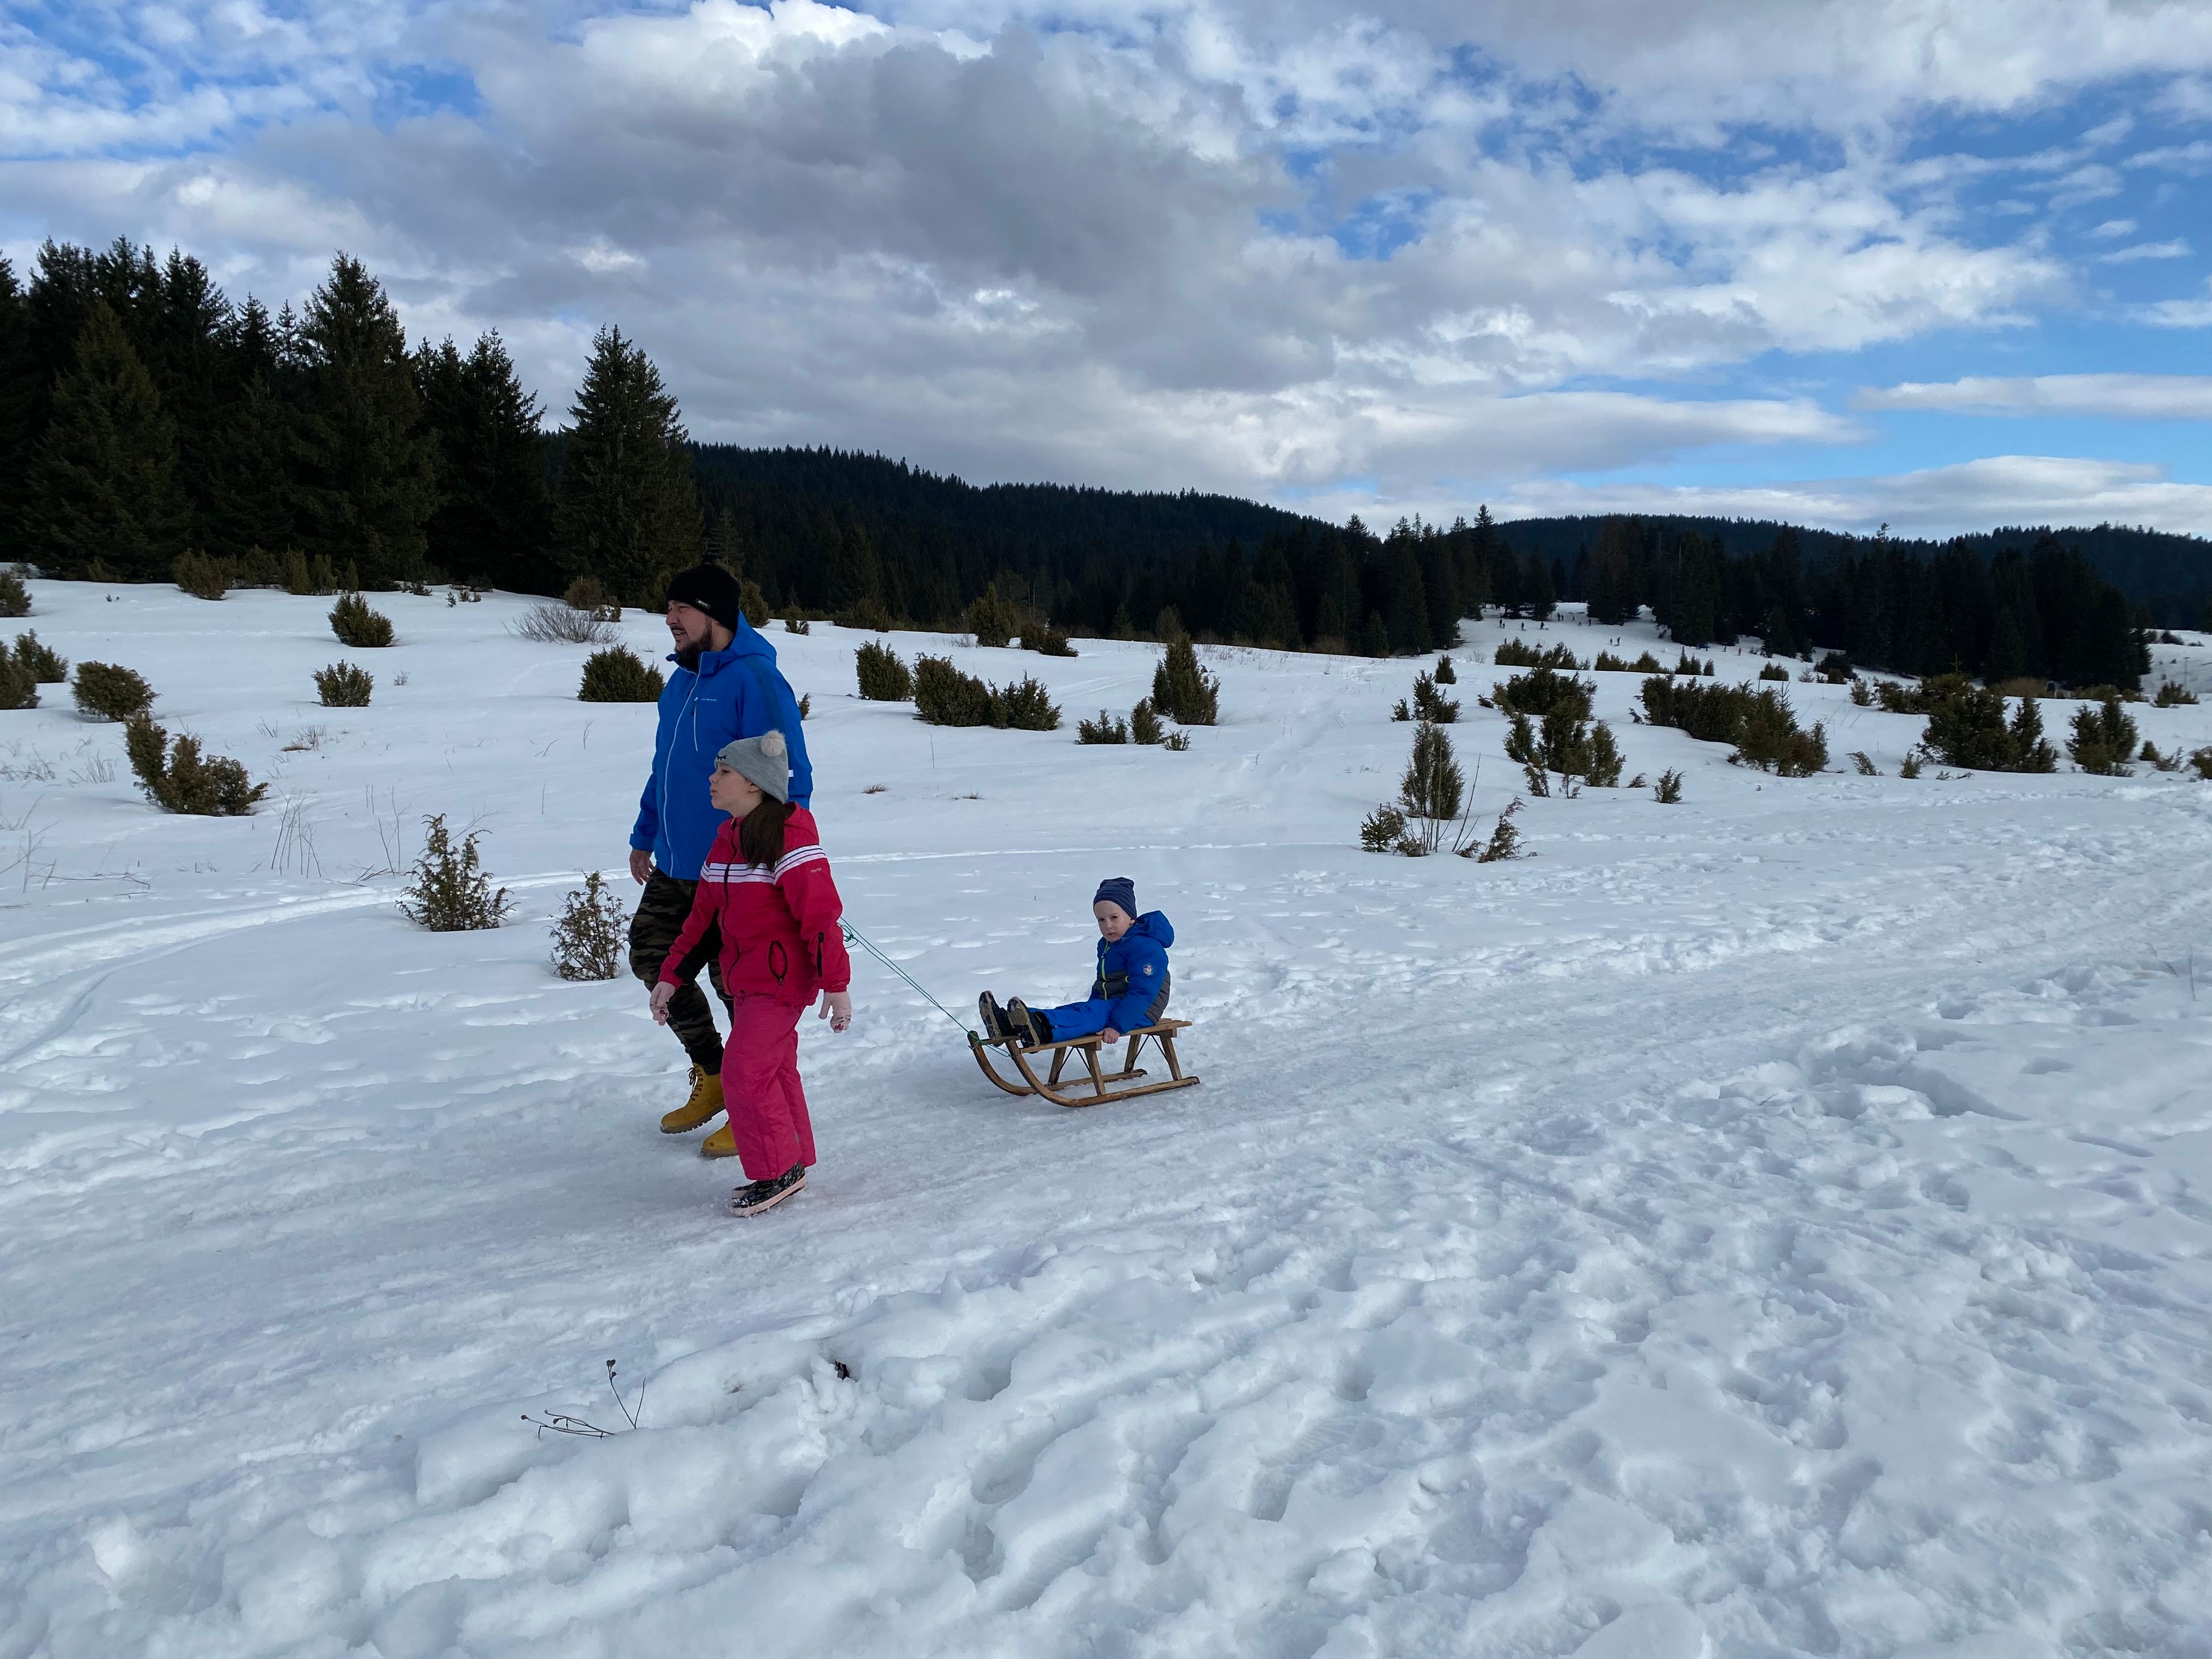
column 146, row 417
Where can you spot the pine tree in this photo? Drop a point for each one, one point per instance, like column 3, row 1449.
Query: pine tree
column 1406, row 603
column 1539, row 588
column 103, row 483
column 628, row 511
column 18, row 403
column 856, row 582
column 371, row 468
column 1613, row 598
column 494, row 517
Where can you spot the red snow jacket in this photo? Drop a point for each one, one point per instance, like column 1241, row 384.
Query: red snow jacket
column 780, row 932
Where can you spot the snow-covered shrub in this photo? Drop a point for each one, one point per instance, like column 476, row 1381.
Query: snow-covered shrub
column 2201, row 759
column 590, row 934
column 1606, row 663
column 555, row 622
column 618, row 674
column 1026, row 707
column 1519, row 653
column 1774, row 671
column 1381, row 830
column 450, row 892
column 109, row 691
column 1760, row 724
column 1182, row 690
column 943, row 695
column 589, row 595
column 1687, row 665
column 795, row 624
column 1430, row 704
column 202, row 577
column 1667, row 792
column 18, row 690
column 343, row 685
column 754, row 604
column 1145, row 723
column 14, row 598
column 2104, row 739
column 181, row 779
column 44, row 665
column 2171, row 695
column 1542, row 690
column 991, row 619
column 1106, row 728
column 305, row 577
column 1046, row 640
column 1431, row 795
column 1862, row 697
column 884, row 678
column 359, row 625
column 1966, row 727
column 1864, row 763
column 1446, row 674
column 1770, row 740
column 1504, row 842
column 1178, row 741
column 2168, row 762
column 1835, row 668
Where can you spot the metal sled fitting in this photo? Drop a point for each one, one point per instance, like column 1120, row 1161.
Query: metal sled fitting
column 1101, row 1085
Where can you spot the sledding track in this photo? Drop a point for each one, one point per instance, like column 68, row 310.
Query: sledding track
column 1775, row 1225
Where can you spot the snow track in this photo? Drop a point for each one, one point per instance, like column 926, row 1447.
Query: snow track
column 1774, row 1225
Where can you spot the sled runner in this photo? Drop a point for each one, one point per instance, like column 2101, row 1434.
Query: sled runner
column 1099, row 1086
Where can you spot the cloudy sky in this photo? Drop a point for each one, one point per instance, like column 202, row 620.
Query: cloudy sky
column 1937, row 263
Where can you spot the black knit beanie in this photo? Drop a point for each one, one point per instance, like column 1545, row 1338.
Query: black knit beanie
column 710, row 589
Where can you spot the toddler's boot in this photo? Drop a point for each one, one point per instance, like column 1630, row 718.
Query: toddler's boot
column 706, row 1102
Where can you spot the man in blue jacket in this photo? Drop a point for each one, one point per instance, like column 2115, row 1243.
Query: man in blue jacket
column 725, row 686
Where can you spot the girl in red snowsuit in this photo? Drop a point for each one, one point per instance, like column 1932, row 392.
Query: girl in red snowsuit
column 767, row 884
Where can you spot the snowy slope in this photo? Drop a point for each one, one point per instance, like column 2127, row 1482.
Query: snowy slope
column 1777, row 1223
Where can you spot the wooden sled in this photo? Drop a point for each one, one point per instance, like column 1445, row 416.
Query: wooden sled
column 1099, row 1086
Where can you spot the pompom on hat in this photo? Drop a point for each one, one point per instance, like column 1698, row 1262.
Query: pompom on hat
column 763, row 761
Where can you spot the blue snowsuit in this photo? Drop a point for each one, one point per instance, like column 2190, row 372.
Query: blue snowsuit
column 736, row 692
column 1131, row 989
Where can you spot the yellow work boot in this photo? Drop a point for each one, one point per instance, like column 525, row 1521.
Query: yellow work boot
column 721, row 1144
column 706, row 1102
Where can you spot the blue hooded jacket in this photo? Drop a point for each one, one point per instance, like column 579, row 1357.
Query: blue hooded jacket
column 736, row 692
column 1132, row 970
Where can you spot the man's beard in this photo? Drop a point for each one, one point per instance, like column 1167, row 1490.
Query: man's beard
column 687, row 656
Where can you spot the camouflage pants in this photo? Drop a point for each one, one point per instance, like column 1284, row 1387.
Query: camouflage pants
column 662, row 909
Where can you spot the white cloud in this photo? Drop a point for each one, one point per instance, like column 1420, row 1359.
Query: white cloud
column 2179, row 314
column 2154, row 397
column 1095, row 241
column 2176, row 249
column 2002, row 490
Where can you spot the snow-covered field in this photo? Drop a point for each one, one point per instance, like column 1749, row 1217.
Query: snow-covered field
column 1778, row 1224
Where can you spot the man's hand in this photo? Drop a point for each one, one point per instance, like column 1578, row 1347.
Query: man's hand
column 1109, row 1037
column 640, row 864
column 837, row 1009
column 662, row 994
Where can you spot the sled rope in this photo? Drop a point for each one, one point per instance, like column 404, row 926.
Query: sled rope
column 855, row 936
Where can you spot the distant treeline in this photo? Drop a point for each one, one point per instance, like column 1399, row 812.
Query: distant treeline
column 144, row 416
column 2168, row 576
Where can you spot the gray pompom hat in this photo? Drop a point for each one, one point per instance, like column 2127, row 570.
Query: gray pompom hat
column 763, row 761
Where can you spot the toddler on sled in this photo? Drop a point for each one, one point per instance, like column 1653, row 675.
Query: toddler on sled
column 767, row 884
column 1128, row 992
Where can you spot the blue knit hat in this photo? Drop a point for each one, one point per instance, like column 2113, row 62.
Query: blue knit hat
column 1118, row 889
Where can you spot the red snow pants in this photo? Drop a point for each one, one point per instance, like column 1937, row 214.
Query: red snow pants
column 760, row 1086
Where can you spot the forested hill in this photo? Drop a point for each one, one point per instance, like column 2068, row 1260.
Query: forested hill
column 2170, row 575
column 1064, row 524
column 1023, row 526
